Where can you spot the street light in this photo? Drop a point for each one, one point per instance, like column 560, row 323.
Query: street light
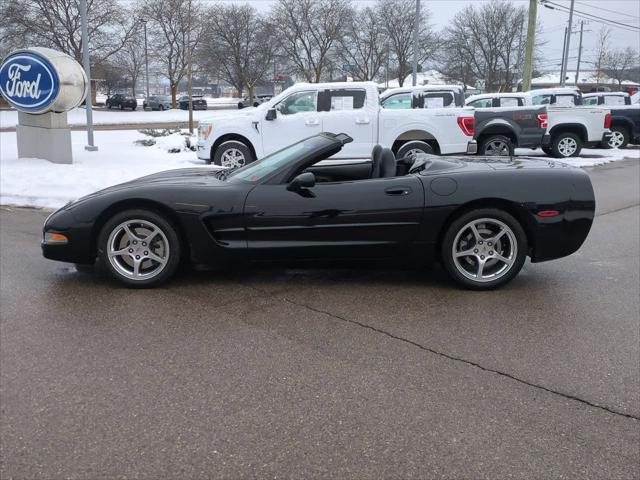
column 87, row 68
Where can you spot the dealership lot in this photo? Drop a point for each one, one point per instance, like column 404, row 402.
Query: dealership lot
column 340, row 373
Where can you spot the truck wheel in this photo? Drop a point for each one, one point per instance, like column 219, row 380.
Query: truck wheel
column 619, row 137
column 566, row 145
column 414, row 147
column 233, row 154
column 496, row 145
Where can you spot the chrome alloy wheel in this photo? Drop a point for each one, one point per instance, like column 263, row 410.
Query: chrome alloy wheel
column 138, row 249
column 414, row 151
column 617, row 139
column 232, row 158
column 484, row 250
column 567, row 146
column 496, row 147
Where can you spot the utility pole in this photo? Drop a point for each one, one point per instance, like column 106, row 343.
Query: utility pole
column 190, row 68
column 415, row 43
column 579, row 53
column 531, row 39
column 564, row 47
column 146, row 56
column 568, row 45
column 87, row 69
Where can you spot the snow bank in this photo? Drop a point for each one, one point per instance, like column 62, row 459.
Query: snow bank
column 39, row 183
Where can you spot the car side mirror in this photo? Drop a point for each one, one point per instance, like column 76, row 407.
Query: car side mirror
column 271, row 114
column 302, row 182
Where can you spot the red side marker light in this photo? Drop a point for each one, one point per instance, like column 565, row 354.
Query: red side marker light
column 548, row 213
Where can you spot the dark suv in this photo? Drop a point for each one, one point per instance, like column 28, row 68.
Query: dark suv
column 199, row 103
column 122, row 101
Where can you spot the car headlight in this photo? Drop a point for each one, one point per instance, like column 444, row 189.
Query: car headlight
column 204, row 130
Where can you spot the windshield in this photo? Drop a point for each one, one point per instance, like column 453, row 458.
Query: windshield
column 256, row 171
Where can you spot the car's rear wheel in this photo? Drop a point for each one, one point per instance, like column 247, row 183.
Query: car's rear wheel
column 413, row 147
column 619, row 137
column 496, row 145
column 566, row 145
column 484, row 249
column 233, row 154
column 139, row 248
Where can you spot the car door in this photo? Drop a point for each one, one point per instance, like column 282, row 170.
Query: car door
column 348, row 110
column 373, row 218
column 296, row 118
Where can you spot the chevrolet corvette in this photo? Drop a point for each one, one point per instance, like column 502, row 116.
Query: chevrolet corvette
column 479, row 217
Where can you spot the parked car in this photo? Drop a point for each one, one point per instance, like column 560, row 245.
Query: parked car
column 479, row 219
column 199, row 103
column 237, row 138
column 606, row 98
column 157, row 102
column 257, row 100
column 423, row 96
column 570, row 126
column 121, row 101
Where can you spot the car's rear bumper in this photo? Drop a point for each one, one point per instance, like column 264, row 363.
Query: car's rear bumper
column 472, row 147
column 546, row 140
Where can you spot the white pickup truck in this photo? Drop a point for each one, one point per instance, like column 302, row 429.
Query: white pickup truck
column 233, row 139
column 570, row 125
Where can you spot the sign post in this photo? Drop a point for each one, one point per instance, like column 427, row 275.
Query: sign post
column 43, row 84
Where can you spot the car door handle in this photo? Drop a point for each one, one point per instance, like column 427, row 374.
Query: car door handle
column 362, row 121
column 398, row 191
column 312, row 123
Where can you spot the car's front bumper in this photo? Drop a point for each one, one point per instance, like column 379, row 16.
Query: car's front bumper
column 79, row 247
column 472, row 147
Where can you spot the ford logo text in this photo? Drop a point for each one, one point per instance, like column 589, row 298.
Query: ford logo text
column 28, row 82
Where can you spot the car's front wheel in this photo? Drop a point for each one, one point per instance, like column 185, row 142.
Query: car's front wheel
column 484, row 249
column 566, row 145
column 233, row 154
column 139, row 248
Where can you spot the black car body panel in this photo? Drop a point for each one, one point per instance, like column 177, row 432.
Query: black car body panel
column 520, row 124
column 627, row 116
column 402, row 218
column 198, row 103
column 122, row 102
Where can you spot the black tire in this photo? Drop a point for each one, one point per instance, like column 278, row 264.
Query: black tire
column 623, row 132
column 557, row 149
column 414, row 145
column 459, row 233
column 255, row 104
column 161, row 107
column 240, row 105
column 236, row 145
column 168, row 233
column 121, row 106
column 108, row 105
column 494, row 143
column 547, row 150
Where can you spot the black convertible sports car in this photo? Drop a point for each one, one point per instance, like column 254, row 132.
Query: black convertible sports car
column 480, row 217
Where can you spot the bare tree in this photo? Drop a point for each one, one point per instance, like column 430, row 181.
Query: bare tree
column 174, row 36
column 398, row 18
column 239, row 45
column 131, row 60
column 489, row 38
column 364, row 45
column 56, row 24
column 619, row 64
column 601, row 53
column 309, row 31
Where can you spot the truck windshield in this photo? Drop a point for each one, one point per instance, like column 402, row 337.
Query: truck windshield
column 256, row 171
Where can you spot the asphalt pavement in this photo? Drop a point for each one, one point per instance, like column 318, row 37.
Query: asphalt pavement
column 326, row 373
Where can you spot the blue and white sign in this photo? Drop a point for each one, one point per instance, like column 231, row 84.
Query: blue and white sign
column 28, row 81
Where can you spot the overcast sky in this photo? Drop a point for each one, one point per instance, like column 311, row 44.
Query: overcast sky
column 552, row 22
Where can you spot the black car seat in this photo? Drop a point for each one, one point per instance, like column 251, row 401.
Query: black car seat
column 388, row 165
column 375, row 161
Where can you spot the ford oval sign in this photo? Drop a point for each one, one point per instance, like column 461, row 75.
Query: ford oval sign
column 28, row 81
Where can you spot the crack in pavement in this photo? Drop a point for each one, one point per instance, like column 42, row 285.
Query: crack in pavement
column 615, row 210
column 460, row 359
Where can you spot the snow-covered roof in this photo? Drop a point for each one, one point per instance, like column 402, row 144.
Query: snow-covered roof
column 428, row 77
column 584, row 78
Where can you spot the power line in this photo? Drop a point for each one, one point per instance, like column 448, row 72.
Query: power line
column 589, row 16
column 607, row 10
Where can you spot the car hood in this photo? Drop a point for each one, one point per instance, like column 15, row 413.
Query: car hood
column 203, row 176
column 225, row 114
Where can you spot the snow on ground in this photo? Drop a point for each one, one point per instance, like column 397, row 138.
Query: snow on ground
column 39, row 183
column 77, row 116
column 589, row 157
